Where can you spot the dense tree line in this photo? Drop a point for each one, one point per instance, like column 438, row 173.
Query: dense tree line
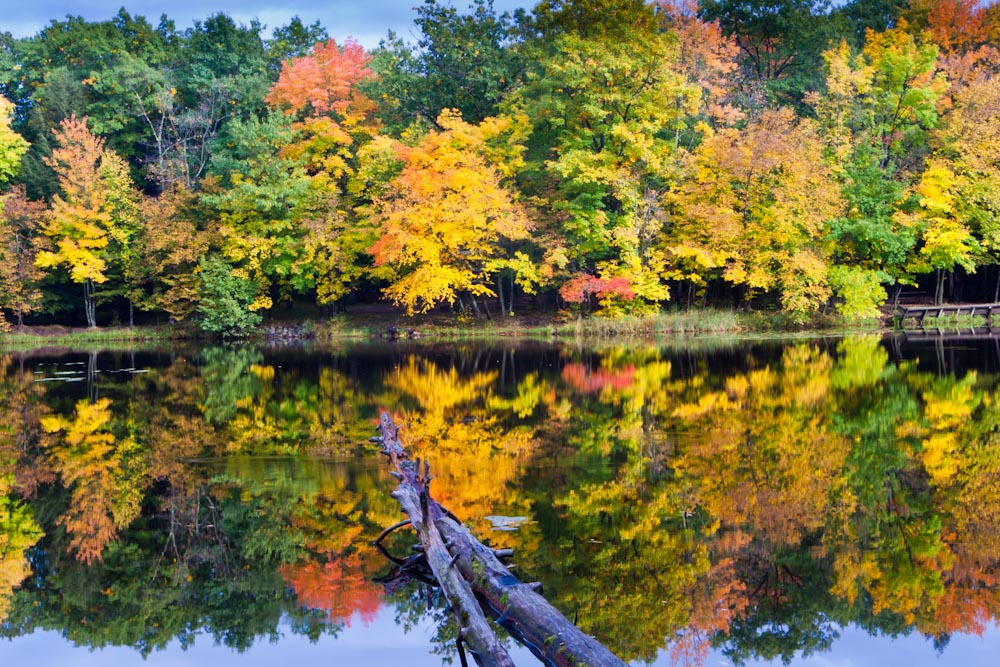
column 607, row 154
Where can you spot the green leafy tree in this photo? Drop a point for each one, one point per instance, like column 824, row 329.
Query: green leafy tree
column 606, row 111
column 260, row 201
column 294, row 40
column 876, row 113
column 780, row 40
column 71, row 67
column 225, row 299
column 467, row 62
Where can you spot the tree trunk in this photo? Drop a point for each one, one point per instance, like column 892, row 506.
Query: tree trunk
column 471, row 575
column 475, row 306
column 88, row 303
column 503, row 306
column 92, row 376
column 510, row 296
column 412, row 493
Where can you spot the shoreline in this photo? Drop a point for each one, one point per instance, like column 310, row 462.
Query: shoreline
column 391, row 326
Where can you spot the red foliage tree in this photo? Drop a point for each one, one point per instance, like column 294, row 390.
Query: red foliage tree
column 581, row 287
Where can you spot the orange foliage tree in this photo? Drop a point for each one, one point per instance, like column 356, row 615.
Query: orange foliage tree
column 706, row 57
column 81, row 221
column 448, row 222
column 324, row 80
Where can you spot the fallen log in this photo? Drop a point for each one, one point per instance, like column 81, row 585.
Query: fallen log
column 474, row 580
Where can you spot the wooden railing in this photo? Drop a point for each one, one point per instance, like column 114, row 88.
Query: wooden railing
column 918, row 313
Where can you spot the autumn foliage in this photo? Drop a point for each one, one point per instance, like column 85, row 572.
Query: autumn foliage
column 792, row 156
column 323, row 81
column 582, row 286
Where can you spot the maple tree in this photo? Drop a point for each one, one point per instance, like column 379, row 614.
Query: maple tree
column 707, row 57
column 325, row 80
column 954, row 25
column 876, row 115
column 169, row 245
column 446, row 221
column 780, row 40
column 95, row 206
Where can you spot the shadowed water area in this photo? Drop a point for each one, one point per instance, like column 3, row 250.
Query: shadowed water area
column 830, row 501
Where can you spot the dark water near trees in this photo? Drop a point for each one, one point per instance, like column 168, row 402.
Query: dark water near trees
column 831, row 501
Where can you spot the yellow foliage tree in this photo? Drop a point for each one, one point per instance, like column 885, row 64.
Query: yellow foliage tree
column 447, row 221
column 81, row 217
column 754, row 209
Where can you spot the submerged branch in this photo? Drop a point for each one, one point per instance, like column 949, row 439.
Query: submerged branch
column 474, row 580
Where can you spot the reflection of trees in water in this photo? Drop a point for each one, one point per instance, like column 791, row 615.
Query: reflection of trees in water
column 758, row 508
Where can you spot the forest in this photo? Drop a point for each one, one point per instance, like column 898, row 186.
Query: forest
column 591, row 156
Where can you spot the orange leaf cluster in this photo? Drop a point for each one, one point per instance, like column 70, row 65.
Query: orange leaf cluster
column 590, row 381
column 582, row 286
column 322, row 80
column 340, row 587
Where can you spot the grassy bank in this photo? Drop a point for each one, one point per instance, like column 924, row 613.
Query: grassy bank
column 389, row 324
column 673, row 323
column 32, row 337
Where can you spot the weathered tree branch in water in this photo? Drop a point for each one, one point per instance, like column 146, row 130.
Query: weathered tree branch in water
column 423, row 513
column 473, row 579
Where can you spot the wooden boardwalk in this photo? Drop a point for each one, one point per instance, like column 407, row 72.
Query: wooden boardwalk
column 918, row 313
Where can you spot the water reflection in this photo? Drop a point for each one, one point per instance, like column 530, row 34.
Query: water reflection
column 746, row 500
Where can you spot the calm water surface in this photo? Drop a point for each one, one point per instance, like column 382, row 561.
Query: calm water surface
column 823, row 502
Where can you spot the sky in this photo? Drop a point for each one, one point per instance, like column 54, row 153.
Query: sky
column 368, row 21
column 382, row 643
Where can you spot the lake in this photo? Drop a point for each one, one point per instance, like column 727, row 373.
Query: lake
column 829, row 501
